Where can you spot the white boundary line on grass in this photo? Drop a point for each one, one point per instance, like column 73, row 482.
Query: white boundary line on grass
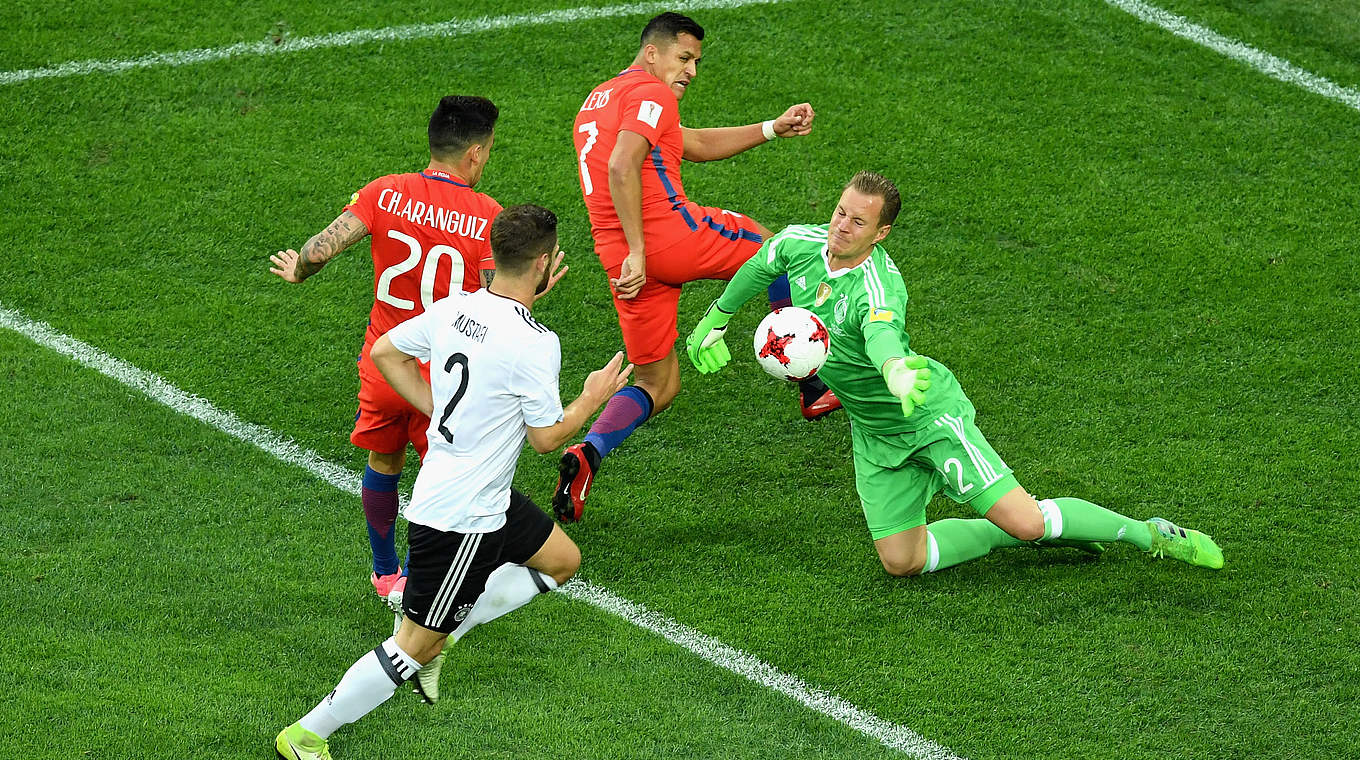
column 1267, row 64
column 451, row 28
column 746, row 665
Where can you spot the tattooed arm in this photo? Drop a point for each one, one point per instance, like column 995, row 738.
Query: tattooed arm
column 292, row 266
column 487, row 276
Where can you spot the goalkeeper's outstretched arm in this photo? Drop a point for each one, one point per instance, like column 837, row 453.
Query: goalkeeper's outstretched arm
column 705, row 346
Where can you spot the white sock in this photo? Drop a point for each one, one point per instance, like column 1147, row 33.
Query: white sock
column 369, row 682
column 1053, row 520
column 508, row 588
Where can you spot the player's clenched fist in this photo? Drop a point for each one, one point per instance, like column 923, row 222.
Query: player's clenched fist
column 795, row 122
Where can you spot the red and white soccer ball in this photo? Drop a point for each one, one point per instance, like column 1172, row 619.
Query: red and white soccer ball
column 791, row 343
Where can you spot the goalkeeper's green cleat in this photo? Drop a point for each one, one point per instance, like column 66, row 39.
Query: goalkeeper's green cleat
column 426, row 682
column 1192, row 546
column 297, row 743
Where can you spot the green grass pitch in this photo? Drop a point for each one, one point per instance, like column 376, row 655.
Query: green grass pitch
column 1138, row 256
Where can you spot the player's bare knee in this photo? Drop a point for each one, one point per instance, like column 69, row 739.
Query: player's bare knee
column 569, row 561
column 1028, row 532
column 903, row 567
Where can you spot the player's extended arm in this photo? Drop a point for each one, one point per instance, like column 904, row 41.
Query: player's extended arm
column 625, row 188
column 714, row 143
column 600, row 385
column 402, row 372
column 705, row 346
column 325, row 245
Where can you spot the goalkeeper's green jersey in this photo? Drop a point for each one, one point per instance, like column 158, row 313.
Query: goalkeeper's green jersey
column 863, row 309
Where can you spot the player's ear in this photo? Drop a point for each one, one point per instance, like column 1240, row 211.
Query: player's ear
column 882, row 233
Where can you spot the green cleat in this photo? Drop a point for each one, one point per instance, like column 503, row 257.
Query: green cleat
column 1192, row 546
column 426, row 682
column 297, row 743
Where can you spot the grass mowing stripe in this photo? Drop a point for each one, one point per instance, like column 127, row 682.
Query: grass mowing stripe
column 452, row 28
column 890, row 735
column 739, row 662
column 1263, row 62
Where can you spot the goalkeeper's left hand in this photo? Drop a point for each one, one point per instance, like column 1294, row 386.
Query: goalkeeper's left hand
column 705, row 346
column 908, row 379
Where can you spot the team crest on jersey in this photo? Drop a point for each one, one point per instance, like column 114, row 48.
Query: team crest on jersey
column 880, row 315
column 842, row 306
column 462, row 613
column 823, row 293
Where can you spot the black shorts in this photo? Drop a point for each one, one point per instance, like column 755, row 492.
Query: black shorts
column 448, row 571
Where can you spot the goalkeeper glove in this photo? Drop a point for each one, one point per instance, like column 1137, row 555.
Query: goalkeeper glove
column 908, row 379
column 705, row 346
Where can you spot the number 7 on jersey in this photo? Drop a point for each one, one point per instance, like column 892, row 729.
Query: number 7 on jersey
column 592, row 132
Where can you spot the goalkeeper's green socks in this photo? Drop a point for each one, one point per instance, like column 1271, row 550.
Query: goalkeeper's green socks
column 1077, row 520
column 954, row 541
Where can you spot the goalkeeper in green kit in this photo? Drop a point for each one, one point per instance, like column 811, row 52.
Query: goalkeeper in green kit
column 911, row 424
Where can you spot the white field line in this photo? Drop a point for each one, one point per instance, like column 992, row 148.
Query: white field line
column 1267, row 64
column 748, row 666
column 452, row 28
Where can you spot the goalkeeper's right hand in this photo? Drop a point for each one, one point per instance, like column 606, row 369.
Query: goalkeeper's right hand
column 908, row 379
column 705, row 346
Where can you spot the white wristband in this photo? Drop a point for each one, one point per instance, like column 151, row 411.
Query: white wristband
column 767, row 129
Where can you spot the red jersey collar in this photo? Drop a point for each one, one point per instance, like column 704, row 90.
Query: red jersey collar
column 443, row 176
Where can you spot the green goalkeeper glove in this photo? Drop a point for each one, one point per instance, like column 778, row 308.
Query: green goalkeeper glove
column 705, row 346
column 908, row 379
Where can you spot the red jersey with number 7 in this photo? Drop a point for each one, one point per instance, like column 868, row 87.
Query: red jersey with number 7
column 429, row 231
column 638, row 102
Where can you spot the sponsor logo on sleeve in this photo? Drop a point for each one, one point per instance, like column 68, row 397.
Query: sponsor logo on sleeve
column 880, row 315
column 353, row 199
column 649, row 113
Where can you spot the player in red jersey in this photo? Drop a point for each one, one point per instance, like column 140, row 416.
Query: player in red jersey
column 650, row 238
column 430, row 235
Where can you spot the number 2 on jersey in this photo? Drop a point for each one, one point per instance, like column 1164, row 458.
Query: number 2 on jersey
column 460, row 360
column 427, row 272
column 592, row 132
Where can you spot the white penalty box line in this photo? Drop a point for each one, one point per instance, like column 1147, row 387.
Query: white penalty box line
column 1272, row 66
column 748, row 666
column 451, row 28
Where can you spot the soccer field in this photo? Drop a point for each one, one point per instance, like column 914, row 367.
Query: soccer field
column 1135, row 249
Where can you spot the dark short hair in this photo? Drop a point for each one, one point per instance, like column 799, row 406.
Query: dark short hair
column 872, row 183
column 668, row 26
column 459, row 121
column 520, row 234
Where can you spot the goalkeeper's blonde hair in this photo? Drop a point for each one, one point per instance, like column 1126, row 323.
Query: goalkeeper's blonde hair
column 873, row 183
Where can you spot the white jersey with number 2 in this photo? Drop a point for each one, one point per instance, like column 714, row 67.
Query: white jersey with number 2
column 493, row 371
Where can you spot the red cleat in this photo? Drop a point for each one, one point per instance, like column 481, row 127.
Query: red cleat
column 574, row 476
column 823, row 405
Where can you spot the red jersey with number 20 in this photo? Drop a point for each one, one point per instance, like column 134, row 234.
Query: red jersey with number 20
column 638, row 102
column 430, row 230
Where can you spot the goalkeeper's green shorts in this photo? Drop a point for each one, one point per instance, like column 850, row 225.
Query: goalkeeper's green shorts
column 897, row 474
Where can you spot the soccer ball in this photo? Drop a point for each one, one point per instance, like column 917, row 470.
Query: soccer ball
column 791, row 343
